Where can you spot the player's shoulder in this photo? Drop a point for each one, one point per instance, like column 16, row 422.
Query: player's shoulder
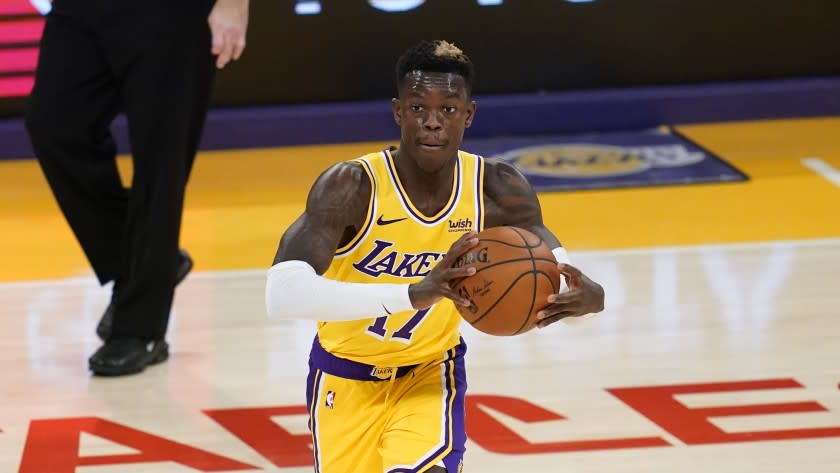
column 349, row 175
column 344, row 181
column 352, row 173
column 500, row 175
column 508, row 196
column 497, row 165
column 492, row 166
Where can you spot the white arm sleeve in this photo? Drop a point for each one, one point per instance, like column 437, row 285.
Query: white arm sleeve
column 294, row 291
column 562, row 257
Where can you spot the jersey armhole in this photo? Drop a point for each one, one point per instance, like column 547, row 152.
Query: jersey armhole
column 370, row 212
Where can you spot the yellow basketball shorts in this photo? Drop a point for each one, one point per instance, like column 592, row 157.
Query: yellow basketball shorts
column 367, row 419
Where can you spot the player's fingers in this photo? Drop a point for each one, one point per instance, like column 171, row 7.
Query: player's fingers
column 573, row 275
column 455, row 297
column 456, row 273
column 550, row 320
column 564, row 298
column 467, row 240
column 461, row 246
column 465, row 236
column 564, row 311
column 566, row 318
column 569, row 270
column 467, row 244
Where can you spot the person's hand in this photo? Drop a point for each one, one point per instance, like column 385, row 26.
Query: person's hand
column 228, row 24
column 435, row 286
column 584, row 296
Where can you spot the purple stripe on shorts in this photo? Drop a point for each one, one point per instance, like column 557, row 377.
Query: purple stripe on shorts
column 457, row 438
column 459, row 430
column 312, row 382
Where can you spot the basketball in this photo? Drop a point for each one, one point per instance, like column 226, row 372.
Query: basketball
column 515, row 273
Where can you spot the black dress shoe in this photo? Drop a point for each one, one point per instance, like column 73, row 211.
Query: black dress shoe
column 103, row 329
column 122, row 356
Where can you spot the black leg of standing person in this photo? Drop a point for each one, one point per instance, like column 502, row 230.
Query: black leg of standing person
column 70, row 110
column 167, row 72
column 75, row 99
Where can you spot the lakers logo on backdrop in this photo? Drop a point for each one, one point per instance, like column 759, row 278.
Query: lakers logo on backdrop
column 585, row 160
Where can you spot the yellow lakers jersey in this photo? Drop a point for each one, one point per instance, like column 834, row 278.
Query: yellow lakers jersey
column 398, row 244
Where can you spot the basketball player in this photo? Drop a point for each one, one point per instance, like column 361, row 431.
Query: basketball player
column 371, row 259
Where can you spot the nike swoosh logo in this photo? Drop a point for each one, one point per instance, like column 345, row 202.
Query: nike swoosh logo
column 381, row 221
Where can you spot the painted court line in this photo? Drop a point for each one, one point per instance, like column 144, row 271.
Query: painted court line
column 823, row 169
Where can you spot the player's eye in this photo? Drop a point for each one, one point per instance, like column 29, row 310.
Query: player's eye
column 449, row 109
column 415, row 108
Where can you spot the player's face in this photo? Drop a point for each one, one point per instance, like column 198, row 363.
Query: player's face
column 432, row 111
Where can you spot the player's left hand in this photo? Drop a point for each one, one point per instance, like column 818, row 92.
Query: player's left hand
column 584, row 296
column 228, row 24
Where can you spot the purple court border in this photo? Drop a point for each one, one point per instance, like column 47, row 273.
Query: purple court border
column 502, row 115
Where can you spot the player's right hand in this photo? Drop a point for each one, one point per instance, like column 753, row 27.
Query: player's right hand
column 435, row 286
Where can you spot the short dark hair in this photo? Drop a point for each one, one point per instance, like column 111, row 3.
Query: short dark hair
column 436, row 56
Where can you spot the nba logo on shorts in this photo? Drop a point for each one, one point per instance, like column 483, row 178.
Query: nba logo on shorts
column 330, row 399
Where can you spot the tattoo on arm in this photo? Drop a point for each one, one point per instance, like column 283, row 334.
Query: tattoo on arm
column 512, row 201
column 337, row 202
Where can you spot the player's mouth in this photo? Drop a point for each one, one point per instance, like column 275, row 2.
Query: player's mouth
column 432, row 145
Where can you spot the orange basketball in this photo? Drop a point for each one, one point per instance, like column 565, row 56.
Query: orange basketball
column 515, row 273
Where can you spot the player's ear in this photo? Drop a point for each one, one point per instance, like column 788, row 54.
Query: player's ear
column 471, row 113
column 395, row 108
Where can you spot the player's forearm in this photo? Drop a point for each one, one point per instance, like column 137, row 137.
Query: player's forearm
column 294, row 291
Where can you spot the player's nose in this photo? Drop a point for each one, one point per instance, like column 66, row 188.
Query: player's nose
column 432, row 121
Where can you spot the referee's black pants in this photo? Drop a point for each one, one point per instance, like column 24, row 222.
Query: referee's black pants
column 151, row 60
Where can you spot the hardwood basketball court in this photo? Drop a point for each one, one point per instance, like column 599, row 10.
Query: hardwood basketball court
column 718, row 350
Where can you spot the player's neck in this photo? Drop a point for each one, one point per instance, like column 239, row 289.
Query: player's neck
column 428, row 191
